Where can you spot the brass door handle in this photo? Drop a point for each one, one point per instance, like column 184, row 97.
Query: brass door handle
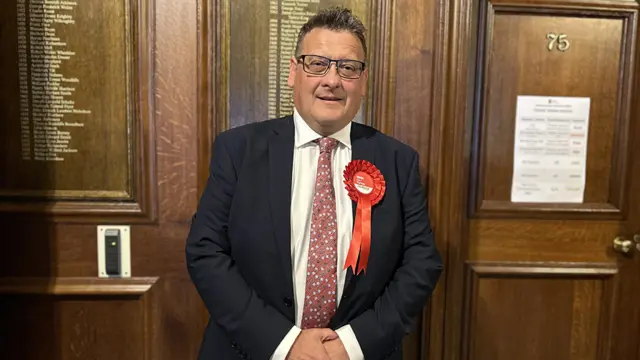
column 625, row 246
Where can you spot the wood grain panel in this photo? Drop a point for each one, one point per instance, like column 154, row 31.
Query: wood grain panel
column 71, row 328
column 537, row 311
column 552, row 240
column 412, row 76
column 59, row 86
column 513, row 58
column 77, row 318
column 98, row 121
column 248, row 61
column 176, row 101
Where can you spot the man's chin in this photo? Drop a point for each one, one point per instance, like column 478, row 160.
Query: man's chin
column 329, row 116
column 330, row 121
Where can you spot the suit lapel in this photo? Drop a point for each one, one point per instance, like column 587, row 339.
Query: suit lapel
column 280, row 167
column 362, row 148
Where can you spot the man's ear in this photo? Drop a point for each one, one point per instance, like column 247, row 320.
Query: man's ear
column 293, row 66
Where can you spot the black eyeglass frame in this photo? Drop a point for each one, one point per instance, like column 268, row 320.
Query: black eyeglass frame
column 301, row 58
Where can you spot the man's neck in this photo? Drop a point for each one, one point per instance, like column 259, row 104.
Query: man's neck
column 326, row 129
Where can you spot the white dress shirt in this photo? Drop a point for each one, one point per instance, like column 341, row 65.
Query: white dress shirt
column 305, row 162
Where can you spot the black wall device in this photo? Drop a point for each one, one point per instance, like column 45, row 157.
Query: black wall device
column 112, row 247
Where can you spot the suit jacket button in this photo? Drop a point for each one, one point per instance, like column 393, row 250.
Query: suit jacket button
column 288, row 302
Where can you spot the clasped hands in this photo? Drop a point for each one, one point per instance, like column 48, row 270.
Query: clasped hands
column 318, row 344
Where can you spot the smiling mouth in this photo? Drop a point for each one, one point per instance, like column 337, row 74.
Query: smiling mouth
column 327, row 98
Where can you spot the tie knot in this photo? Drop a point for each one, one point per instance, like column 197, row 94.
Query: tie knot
column 327, row 144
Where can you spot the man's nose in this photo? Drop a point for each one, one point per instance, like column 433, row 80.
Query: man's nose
column 331, row 78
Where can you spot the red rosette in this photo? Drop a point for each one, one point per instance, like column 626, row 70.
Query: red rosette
column 366, row 186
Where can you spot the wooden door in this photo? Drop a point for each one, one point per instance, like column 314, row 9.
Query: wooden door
column 543, row 280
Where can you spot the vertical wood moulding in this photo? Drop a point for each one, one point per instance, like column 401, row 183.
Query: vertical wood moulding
column 433, row 341
column 623, row 125
column 634, row 108
column 147, row 329
column 213, row 72
column 221, row 115
column 146, row 160
column 382, row 77
column 134, row 187
column 460, row 22
column 607, row 315
column 470, row 299
column 149, row 304
column 478, row 125
column 206, row 18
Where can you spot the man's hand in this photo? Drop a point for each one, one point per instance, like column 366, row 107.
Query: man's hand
column 309, row 345
column 335, row 349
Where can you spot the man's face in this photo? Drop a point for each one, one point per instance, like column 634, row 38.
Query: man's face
column 328, row 102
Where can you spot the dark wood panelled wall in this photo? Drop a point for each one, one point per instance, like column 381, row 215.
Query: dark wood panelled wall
column 110, row 109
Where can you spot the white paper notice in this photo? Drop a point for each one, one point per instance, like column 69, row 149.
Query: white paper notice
column 550, row 154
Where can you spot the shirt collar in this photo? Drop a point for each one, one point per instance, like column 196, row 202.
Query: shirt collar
column 304, row 134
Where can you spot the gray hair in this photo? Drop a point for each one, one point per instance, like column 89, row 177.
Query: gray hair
column 337, row 19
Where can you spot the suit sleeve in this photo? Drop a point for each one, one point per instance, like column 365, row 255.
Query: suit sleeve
column 380, row 329
column 253, row 326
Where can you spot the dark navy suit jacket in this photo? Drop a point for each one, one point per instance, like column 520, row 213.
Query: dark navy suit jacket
column 239, row 256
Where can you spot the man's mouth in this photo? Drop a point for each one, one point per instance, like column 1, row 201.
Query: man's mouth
column 329, row 98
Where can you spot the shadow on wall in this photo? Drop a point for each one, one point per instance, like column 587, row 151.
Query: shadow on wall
column 28, row 317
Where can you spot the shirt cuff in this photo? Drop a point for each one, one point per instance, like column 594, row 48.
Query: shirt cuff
column 350, row 342
column 285, row 345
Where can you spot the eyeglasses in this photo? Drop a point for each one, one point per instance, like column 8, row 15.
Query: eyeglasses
column 319, row 65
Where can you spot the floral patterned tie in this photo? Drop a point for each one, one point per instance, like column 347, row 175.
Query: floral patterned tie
column 320, row 290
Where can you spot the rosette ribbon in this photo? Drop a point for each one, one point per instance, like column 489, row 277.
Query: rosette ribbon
column 366, row 186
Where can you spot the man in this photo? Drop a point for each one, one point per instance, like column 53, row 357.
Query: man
column 271, row 238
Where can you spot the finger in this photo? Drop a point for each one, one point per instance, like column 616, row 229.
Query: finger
column 328, row 334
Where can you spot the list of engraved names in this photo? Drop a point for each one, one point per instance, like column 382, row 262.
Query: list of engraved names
column 286, row 18
column 46, row 93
